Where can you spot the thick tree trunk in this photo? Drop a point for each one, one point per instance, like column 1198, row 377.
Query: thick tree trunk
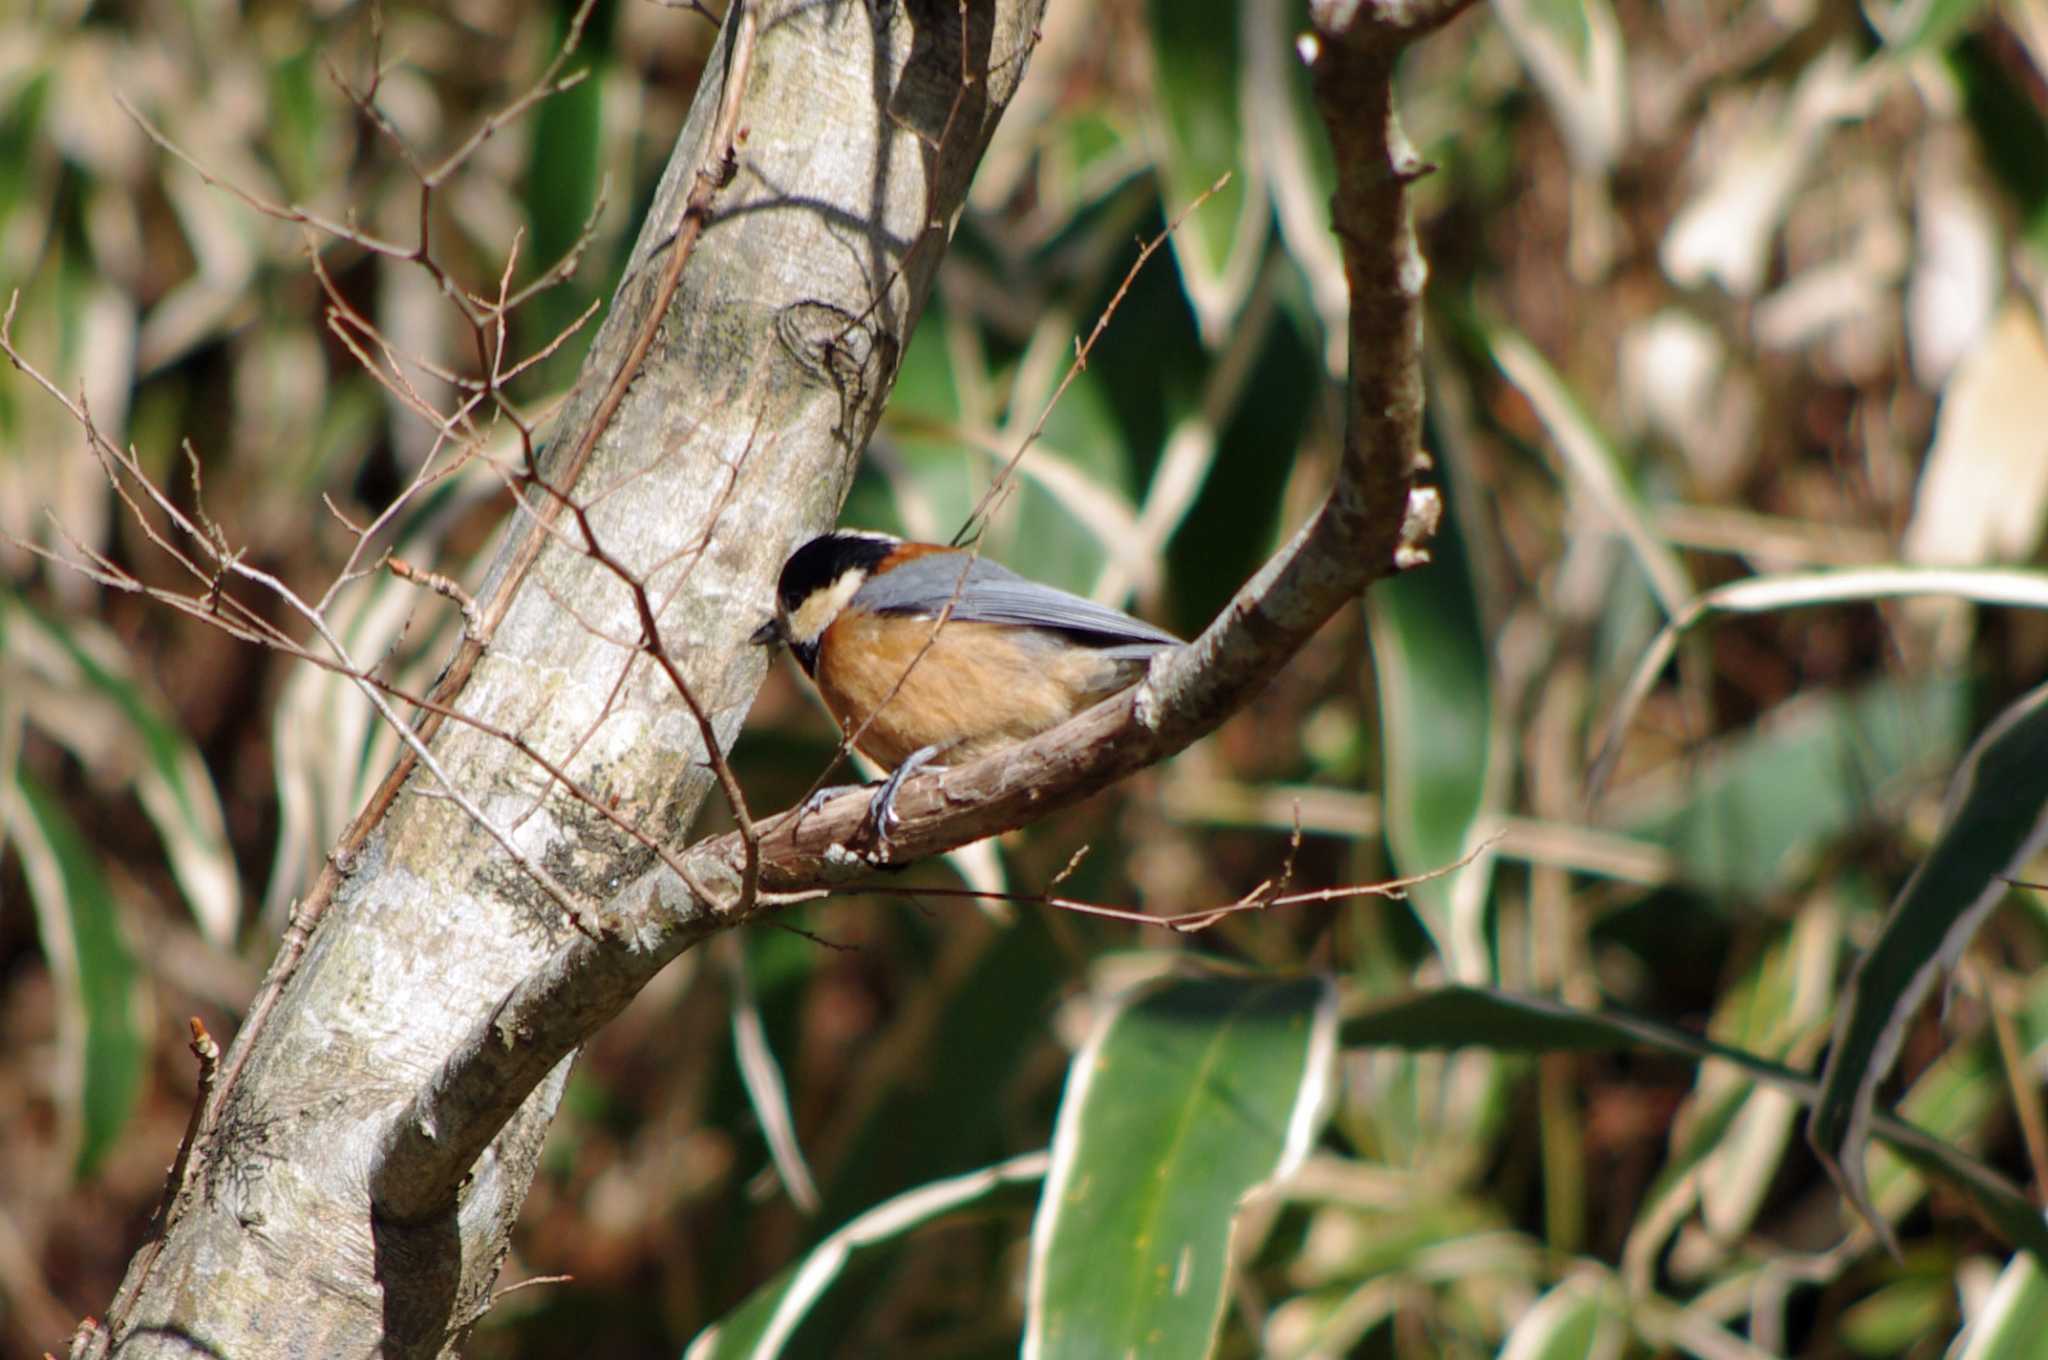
column 858, row 127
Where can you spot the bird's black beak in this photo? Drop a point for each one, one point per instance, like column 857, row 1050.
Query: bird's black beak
column 768, row 634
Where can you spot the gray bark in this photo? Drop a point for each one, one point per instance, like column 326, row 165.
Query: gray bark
column 735, row 438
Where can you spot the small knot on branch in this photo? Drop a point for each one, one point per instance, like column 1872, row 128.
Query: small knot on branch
column 1411, row 167
column 1419, row 522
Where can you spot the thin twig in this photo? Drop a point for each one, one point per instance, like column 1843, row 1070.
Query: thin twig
column 971, row 528
column 208, row 1053
column 1258, row 899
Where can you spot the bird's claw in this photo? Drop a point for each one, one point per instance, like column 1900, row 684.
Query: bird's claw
column 882, row 807
column 810, row 805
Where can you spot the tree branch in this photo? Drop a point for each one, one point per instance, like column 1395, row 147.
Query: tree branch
column 1375, row 521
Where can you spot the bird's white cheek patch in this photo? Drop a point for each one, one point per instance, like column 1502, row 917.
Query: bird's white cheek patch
column 815, row 614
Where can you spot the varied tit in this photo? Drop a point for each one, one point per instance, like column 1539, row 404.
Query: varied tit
column 1014, row 658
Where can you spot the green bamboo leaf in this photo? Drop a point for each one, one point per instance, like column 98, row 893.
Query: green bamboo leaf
column 2015, row 1317
column 302, row 123
column 1897, row 1316
column 1804, row 590
column 1996, row 820
column 1909, row 27
column 1578, row 1320
column 2011, row 133
column 1191, row 1094
column 1592, row 463
column 1198, row 61
column 762, row 1326
column 1435, row 680
column 1574, row 51
column 1457, row 1017
column 1960, row 1098
column 82, row 691
column 1790, row 998
column 94, row 970
column 566, row 161
column 914, row 480
column 21, row 124
column 1763, row 806
column 1287, row 141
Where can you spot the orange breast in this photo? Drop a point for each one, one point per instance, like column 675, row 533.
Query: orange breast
column 977, row 688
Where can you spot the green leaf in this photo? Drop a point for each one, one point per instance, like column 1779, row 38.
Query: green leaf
column 1994, row 824
column 2010, row 130
column 302, row 139
column 1436, row 715
column 565, row 165
column 1236, row 517
column 80, row 689
column 1913, row 26
column 95, row 973
column 1455, row 1017
column 915, row 479
column 763, row 1325
column 22, row 141
column 1782, row 1005
column 1073, row 492
column 1762, row 806
column 1577, row 1320
column 1199, row 66
column 1893, row 1319
column 1288, row 142
column 2013, row 1320
column 1190, row 1094
column 1592, row 463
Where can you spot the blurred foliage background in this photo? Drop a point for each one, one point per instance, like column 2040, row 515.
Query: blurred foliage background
column 1719, row 293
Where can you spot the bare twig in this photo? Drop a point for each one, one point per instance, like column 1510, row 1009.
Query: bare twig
column 208, row 1053
column 976, row 520
column 1261, row 898
column 528, row 1283
column 440, row 585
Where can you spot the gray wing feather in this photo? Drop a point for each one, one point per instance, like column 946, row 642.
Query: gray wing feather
column 995, row 594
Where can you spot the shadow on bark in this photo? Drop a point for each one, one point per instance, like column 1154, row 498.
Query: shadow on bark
column 420, row 1267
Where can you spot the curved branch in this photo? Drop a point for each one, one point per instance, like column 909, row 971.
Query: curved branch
column 1375, row 521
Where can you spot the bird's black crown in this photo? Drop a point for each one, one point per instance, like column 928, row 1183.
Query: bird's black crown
column 823, row 560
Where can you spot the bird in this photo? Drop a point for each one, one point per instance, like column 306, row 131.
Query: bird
column 925, row 653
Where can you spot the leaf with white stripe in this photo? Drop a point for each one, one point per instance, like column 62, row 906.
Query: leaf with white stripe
column 2013, row 1320
column 770, row 1319
column 1191, row 1094
column 1995, row 822
column 77, row 686
column 103, row 1052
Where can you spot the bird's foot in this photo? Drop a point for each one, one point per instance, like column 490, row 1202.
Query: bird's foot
column 810, row 805
column 882, row 807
